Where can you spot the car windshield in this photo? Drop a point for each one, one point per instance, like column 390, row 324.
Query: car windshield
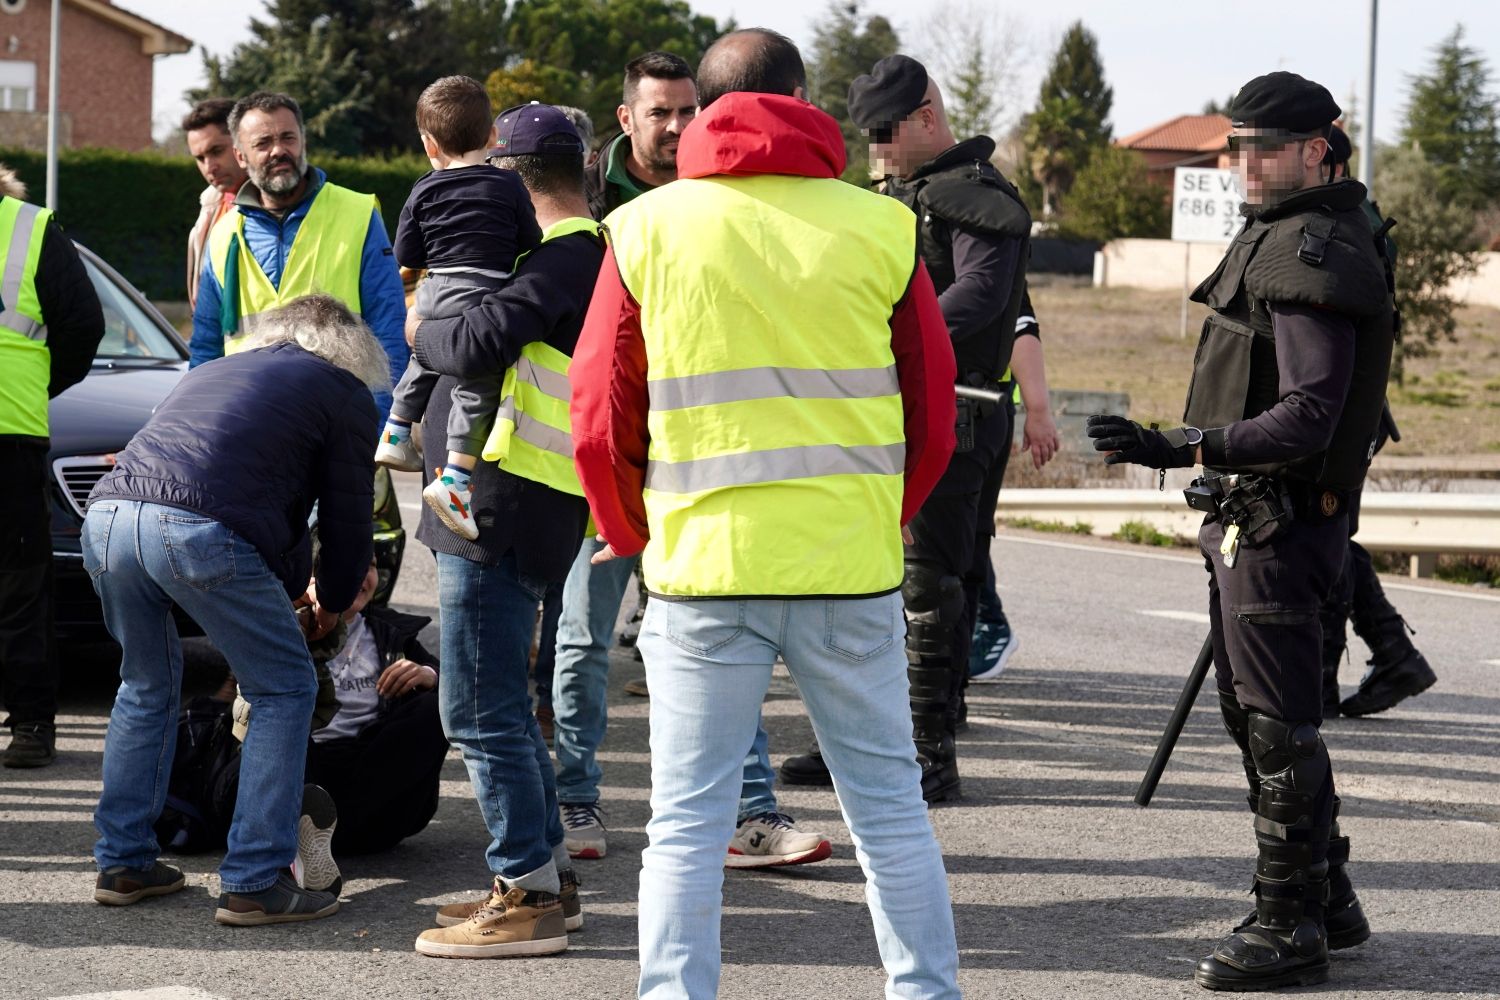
column 129, row 331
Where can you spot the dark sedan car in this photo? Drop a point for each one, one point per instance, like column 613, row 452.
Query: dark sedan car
column 138, row 362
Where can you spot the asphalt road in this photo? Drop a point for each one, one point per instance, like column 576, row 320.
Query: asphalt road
column 1061, row 886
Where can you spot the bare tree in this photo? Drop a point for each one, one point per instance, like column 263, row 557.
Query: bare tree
column 979, row 54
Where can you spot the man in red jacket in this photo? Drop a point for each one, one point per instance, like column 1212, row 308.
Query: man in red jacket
column 760, row 401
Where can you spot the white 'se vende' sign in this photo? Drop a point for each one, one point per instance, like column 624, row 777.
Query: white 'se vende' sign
column 1205, row 205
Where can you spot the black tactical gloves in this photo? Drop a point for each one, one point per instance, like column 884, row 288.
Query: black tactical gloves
column 1130, row 442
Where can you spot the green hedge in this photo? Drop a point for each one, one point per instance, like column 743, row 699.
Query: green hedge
column 135, row 209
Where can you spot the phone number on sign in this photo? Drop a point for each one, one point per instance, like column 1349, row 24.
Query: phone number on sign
column 1225, row 212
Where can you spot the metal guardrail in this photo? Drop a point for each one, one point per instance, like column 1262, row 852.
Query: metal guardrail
column 1423, row 524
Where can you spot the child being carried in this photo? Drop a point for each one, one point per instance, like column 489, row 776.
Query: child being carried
column 466, row 223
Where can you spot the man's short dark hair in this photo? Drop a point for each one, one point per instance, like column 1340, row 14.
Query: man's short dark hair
column 455, row 111
column 656, row 65
column 555, row 175
column 214, row 111
column 757, row 60
column 265, row 101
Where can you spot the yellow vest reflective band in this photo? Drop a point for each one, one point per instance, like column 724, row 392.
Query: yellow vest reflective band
column 324, row 257
column 25, row 362
column 777, row 432
column 533, row 435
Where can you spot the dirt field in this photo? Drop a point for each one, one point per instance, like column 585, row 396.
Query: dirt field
column 1127, row 340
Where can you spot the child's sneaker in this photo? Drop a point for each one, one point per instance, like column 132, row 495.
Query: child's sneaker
column 398, row 450
column 452, row 502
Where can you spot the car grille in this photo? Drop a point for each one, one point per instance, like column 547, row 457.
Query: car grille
column 77, row 475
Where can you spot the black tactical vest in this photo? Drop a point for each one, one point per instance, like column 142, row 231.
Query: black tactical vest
column 961, row 189
column 1313, row 249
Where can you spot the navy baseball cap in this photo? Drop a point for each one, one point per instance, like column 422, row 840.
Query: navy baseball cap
column 527, row 129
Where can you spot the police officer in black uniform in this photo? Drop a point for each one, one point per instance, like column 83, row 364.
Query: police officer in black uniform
column 1398, row 670
column 973, row 235
column 1282, row 411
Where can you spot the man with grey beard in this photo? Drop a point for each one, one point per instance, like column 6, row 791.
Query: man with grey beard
column 292, row 233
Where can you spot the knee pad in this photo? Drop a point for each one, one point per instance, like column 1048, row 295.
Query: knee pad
column 934, row 603
column 1293, row 766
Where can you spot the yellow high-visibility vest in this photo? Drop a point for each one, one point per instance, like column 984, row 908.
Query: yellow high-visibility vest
column 325, row 256
column 533, row 435
column 777, row 454
column 25, row 361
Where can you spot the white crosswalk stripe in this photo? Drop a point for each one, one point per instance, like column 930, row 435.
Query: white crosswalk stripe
column 157, row 993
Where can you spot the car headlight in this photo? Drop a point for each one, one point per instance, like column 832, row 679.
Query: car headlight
column 382, row 487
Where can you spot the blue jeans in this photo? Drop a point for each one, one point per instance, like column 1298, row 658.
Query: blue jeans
column 488, row 614
column 142, row 557
column 580, row 680
column 709, row 664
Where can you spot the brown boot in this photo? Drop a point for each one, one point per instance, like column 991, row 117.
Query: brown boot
column 512, row 923
column 456, row 913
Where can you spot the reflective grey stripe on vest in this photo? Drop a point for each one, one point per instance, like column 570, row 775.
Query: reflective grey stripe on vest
column 545, row 379
column 767, row 383
column 15, row 271
column 775, row 465
column 534, row 432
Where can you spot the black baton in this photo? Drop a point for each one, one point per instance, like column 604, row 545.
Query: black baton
column 1174, row 725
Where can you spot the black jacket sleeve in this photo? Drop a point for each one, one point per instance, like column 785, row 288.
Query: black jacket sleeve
column 1315, row 361
column 983, row 268
column 410, row 251
column 418, row 653
column 549, row 293
column 75, row 321
column 346, row 498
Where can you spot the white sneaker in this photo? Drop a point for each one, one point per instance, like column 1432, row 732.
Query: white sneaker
column 583, row 830
column 453, row 505
column 771, row 840
column 401, row 454
column 314, row 867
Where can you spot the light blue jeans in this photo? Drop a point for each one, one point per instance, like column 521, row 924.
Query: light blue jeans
column 142, row 557
column 709, row 664
column 580, row 680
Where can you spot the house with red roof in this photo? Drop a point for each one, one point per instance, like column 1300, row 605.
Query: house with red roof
column 1184, row 141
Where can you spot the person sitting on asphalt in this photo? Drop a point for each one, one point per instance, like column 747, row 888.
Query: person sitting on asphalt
column 207, row 507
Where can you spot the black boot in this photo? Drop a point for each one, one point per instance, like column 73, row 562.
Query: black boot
column 1237, row 723
column 1397, row 671
column 806, row 769
column 935, row 752
column 1343, row 919
column 1286, row 945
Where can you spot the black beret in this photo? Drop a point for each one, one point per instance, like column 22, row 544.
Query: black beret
column 888, row 93
column 1286, row 101
column 1339, row 148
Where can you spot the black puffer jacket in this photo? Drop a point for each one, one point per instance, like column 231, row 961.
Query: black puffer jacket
column 253, row 440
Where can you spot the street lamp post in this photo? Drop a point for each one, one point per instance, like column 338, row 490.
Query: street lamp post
column 52, row 104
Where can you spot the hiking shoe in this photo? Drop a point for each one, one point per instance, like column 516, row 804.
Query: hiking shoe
column 583, row 830
column 284, row 902
column 512, row 923
column 456, row 913
column 121, row 886
column 994, row 644
column 32, row 744
column 806, row 769
column 771, row 840
column 398, row 452
column 314, row 867
column 638, row 686
column 1390, row 682
column 453, row 504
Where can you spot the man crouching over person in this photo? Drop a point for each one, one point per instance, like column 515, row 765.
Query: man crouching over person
column 207, row 507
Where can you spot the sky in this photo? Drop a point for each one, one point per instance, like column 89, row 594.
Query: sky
column 1163, row 57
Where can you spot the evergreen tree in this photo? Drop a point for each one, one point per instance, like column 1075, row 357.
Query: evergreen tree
column 845, row 45
column 1071, row 118
column 575, row 51
column 355, row 66
column 1451, row 117
column 1434, row 247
